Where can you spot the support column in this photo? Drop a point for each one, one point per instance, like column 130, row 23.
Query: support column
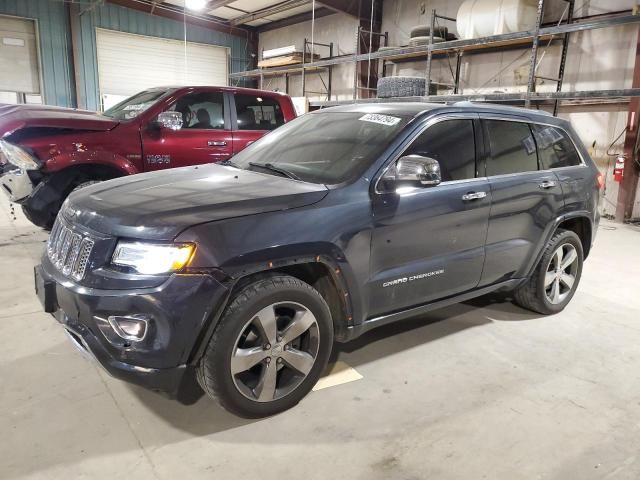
column 531, row 84
column 73, row 12
column 367, row 75
column 629, row 184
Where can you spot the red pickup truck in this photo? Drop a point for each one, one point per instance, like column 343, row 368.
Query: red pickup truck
column 46, row 152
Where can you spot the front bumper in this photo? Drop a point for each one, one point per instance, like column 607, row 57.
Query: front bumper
column 180, row 310
column 15, row 182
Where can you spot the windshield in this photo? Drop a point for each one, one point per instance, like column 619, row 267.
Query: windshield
column 324, row 147
column 134, row 106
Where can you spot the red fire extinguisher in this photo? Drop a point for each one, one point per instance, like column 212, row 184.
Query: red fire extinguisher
column 618, row 169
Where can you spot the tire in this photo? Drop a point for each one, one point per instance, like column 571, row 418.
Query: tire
column 389, row 87
column 40, row 218
column 85, row 184
column 424, row 41
column 425, row 31
column 242, row 329
column 537, row 294
column 42, row 210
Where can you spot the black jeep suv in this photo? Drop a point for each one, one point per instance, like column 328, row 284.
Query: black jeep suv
column 243, row 275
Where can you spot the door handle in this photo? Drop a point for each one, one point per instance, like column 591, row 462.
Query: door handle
column 217, row 143
column 547, row 184
column 473, row 196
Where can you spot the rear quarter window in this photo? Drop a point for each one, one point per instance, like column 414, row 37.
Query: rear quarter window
column 555, row 148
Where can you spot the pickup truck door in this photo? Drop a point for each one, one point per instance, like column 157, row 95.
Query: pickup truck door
column 428, row 242
column 205, row 136
column 252, row 117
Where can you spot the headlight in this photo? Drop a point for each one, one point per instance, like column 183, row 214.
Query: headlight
column 149, row 259
column 17, row 156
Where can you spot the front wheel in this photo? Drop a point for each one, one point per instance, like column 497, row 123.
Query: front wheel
column 554, row 281
column 42, row 207
column 269, row 349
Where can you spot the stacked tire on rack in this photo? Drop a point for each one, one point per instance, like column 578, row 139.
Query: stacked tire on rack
column 389, row 87
column 421, row 35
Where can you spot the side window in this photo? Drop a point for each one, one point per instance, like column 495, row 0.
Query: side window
column 203, row 111
column 555, row 148
column 513, row 149
column 452, row 143
column 258, row 113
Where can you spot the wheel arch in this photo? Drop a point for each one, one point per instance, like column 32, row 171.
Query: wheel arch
column 582, row 226
column 92, row 171
column 321, row 272
column 91, row 159
column 578, row 222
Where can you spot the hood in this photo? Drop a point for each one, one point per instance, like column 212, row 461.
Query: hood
column 16, row 117
column 160, row 205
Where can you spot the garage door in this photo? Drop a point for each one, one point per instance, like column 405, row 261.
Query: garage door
column 130, row 63
column 18, row 48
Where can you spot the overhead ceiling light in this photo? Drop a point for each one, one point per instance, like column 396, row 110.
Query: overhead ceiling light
column 195, row 4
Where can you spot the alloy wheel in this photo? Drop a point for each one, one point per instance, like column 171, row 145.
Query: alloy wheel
column 561, row 273
column 275, row 351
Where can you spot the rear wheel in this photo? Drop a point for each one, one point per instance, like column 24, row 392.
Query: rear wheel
column 554, row 281
column 270, row 348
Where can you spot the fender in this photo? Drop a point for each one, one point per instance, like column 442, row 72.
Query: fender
column 265, row 262
column 325, row 253
column 551, row 229
column 89, row 157
column 340, row 274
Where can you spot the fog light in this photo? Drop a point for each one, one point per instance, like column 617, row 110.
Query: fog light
column 130, row 327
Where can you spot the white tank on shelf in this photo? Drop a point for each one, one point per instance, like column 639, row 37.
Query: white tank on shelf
column 481, row 18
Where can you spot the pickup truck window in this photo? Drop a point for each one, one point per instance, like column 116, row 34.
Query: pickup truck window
column 135, row 105
column 203, row 111
column 452, row 143
column 513, row 149
column 258, row 113
column 555, row 149
column 349, row 143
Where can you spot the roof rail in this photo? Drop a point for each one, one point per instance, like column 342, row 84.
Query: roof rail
column 463, row 103
column 469, row 103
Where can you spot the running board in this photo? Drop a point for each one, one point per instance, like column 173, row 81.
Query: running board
column 357, row 330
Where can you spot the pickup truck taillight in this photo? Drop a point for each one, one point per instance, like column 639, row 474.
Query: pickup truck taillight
column 600, row 181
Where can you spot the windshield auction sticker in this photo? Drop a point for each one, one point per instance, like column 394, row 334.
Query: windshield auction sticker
column 387, row 120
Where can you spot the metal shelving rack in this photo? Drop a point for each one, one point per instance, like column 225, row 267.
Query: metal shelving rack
column 304, row 68
column 360, row 36
column 526, row 38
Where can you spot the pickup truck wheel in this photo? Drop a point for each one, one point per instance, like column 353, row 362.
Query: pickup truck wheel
column 554, row 281
column 85, row 184
column 269, row 349
column 43, row 209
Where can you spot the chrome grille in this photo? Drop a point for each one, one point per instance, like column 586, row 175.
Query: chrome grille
column 69, row 251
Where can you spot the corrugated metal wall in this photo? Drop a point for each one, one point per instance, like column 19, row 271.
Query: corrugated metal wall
column 55, row 47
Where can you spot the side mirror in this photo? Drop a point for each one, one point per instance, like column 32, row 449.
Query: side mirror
column 415, row 169
column 170, row 120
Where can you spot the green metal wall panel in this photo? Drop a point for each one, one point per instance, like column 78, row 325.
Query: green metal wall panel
column 56, row 53
column 123, row 19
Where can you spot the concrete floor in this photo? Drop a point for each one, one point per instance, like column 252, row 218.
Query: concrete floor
column 478, row 390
